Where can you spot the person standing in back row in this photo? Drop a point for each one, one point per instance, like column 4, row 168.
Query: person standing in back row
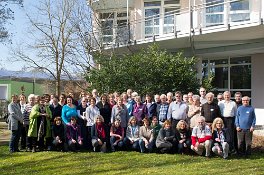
column 228, row 110
column 178, row 110
column 245, row 124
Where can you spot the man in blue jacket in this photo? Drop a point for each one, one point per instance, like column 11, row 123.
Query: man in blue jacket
column 245, row 123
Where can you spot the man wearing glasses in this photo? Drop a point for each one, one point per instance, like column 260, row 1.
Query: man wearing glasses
column 245, row 123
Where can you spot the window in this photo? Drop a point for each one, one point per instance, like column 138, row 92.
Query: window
column 229, row 74
column 239, row 11
column 152, row 18
column 217, row 11
column 214, row 12
column 160, row 17
column 114, row 27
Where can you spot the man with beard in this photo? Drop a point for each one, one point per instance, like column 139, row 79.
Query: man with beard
column 201, row 137
column 210, row 110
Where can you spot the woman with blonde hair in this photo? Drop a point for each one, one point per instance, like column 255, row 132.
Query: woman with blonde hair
column 183, row 135
column 166, row 141
column 221, row 138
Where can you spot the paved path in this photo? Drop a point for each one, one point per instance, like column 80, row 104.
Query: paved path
column 4, row 134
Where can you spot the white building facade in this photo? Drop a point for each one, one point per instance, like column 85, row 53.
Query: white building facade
column 226, row 35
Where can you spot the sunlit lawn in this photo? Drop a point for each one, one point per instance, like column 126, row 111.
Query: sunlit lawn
column 124, row 163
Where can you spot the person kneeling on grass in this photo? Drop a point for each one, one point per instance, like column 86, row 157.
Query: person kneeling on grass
column 221, row 138
column 146, row 136
column 74, row 135
column 166, row 141
column 201, row 137
column 132, row 134
column 116, row 135
column 183, row 135
column 99, row 134
column 58, row 134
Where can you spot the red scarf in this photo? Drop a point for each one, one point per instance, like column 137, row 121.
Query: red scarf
column 100, row 131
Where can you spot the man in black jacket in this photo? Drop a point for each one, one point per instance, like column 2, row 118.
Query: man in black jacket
column 210, row 110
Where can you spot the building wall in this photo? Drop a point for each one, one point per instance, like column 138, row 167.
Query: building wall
column 14, row 87
column 257, row 80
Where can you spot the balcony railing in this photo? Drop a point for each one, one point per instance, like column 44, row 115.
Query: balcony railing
column 195, row 20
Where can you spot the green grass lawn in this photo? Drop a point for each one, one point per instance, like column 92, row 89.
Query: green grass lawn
column 25, row 163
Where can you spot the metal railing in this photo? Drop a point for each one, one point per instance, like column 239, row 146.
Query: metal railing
column 194, row 20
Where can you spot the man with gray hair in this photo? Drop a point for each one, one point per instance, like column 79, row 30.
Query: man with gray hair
column 210, row 110
column 228, row 110
column 245, row 124
column 201, row 137
column 162, row 109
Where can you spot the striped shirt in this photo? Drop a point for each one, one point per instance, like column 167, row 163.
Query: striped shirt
column 26, row 113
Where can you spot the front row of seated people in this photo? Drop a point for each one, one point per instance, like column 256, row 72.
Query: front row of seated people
column 149, row 137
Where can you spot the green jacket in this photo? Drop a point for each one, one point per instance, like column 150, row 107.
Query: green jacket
column 34, row 114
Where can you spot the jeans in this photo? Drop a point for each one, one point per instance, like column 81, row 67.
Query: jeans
column 119, row 144
column 14, row 140
column 149, row 146
column 181, row 147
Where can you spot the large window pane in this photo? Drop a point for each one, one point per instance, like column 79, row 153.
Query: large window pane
column 240, row 77
column 214, row 12
column 220, row 77
column 240, row 5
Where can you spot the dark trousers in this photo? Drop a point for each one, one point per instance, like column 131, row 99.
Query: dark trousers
column 119, row 144
column 129, row 145
column 230, row 125
column 181, row 147
column 89, row 138
column 58, row 146
column 39, row 143
column 24, row 137
column 174, row 123
column 244, row 138
column 14, row 140
column 74, row 146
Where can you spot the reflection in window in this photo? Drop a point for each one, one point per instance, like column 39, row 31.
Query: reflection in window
column 214, row 12
column 220, row 79
column 240, row 77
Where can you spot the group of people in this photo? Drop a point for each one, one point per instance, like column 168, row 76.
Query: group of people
column 170, row 123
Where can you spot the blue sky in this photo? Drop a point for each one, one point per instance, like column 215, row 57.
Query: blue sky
column 18, row 27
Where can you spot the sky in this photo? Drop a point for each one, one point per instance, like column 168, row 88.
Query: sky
column 18, row 28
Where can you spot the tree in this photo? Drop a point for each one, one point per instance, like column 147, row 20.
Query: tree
column 6, row 14
column 59, row 30
column 149, row 71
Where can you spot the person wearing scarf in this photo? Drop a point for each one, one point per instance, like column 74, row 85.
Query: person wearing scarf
column 74, row 136
column 99, row 135
column 183, row 135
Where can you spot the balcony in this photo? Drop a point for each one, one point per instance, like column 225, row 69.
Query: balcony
column 182, row 24
column 110, row 4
